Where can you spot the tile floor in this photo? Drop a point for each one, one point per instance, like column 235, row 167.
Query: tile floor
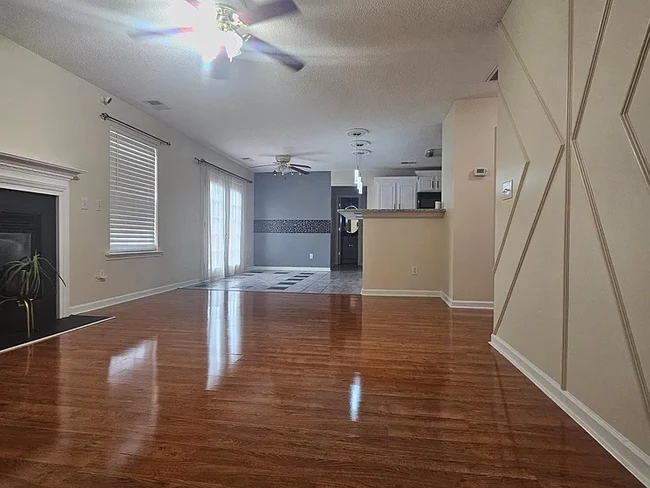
column 343, row 282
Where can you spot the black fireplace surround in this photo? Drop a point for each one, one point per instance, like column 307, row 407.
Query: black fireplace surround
column 28, row 226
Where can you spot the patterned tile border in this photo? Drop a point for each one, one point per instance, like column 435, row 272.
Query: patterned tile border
column 292, row 226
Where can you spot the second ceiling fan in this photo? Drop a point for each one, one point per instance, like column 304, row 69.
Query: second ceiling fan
column 284, row 166
column 217, row 28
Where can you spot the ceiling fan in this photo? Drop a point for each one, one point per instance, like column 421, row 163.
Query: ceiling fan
column 284, row 166
column 217, row 30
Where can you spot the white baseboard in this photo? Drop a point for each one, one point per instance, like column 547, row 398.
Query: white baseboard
column 465, row 303
column 109, row 302
column 629, row 455
column 287, row 268
column 400, row 293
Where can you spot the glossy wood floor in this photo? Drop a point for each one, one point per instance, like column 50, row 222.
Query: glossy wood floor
column 235, row 389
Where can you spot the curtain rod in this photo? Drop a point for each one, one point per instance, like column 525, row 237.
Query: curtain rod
column 203, row 161
column 105, row 116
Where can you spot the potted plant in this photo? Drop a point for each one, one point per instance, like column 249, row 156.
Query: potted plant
column 23, row 279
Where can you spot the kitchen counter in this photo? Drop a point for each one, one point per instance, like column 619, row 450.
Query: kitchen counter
column 360, row 214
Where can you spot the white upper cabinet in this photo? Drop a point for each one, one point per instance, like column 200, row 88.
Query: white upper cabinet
column 398, row 192
column 387, row 194
column 430, row 180
column 407, row 194
column 425, row 183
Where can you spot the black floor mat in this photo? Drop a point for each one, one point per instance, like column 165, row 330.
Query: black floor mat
column 61, row 325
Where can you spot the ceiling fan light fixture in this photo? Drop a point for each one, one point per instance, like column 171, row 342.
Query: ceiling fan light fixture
column 212, row 43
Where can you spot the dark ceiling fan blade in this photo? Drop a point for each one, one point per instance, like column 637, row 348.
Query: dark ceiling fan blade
column 220, row 67
column 301, row 171
column 268, row 11
column 301, row 166
column 263, row 47
column 163, row 32
column 307, row 153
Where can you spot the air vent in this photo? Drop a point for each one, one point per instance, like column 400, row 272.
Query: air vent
column 434, row 153
column 157, row 105
column 408, row 162
column 494, row 75
column 247, row 160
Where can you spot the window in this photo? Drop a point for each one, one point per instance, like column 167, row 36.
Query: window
column 224, row 225
column 133, row 195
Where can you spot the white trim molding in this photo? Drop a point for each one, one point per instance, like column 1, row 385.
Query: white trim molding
column 286, row 268
column 629, row 455
column 400, row 293
column 32, row 176
column 465, row 303
column 109, row 302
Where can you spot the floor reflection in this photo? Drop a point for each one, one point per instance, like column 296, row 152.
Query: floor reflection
column 355, row 397
column 134, row 368
column 224, row 336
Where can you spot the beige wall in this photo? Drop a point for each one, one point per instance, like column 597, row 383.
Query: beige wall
column 573, row 269
column 391, row 246
column 49, row 114
column 468, row 135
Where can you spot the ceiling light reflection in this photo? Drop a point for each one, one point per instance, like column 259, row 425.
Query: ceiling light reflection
column 355, row 397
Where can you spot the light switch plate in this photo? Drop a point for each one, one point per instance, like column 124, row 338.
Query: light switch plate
column 98, row 205
column 506, row 192
column 84, row 203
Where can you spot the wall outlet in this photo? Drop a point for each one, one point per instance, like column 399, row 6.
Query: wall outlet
column 84, row 203
column 98, row 205
column 414, row 270
column 311, row 255
column 101, row 275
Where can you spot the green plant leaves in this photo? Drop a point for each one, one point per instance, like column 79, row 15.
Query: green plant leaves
column 24, row 278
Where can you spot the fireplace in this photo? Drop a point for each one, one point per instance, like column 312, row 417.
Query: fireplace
column 28, row 226
column 36, row 208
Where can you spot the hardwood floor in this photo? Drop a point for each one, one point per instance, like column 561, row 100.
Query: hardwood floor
column 234, row 389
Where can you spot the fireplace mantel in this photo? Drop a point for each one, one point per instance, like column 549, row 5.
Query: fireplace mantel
column 30, row 175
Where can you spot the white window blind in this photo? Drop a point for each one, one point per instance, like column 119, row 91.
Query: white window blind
column 133, row 193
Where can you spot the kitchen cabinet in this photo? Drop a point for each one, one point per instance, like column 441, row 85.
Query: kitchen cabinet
column 430, row 181
column 395, row 193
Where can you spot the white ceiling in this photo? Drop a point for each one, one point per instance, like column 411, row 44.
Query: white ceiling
column 392, row 66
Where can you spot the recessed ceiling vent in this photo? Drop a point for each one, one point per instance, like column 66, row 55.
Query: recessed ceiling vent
column 408, row 162
column 157, row 105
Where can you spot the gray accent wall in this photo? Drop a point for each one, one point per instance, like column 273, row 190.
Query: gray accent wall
column 298, row 205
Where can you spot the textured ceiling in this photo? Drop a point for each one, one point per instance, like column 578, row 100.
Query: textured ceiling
column 392, row 66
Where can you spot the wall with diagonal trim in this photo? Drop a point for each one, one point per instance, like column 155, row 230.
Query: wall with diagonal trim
column 572, row 260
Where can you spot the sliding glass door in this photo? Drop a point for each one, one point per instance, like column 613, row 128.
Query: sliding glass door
column 224, row 225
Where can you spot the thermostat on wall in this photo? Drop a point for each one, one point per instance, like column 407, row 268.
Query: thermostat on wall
column 480, row 172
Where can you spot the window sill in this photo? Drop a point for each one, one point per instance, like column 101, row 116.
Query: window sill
column 113, row 256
